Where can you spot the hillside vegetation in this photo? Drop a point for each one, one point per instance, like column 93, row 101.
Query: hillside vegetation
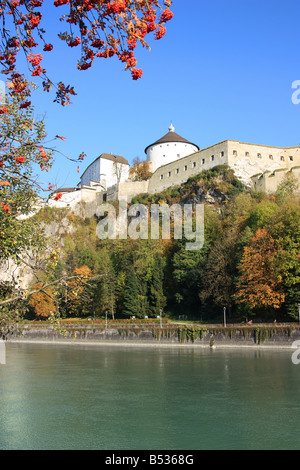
column 249, row 262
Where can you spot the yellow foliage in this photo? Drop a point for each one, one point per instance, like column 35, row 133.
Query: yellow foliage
column 42, row 302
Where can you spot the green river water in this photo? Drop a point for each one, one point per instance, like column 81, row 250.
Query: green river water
column 147, row 398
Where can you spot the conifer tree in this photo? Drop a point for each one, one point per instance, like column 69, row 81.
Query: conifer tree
column 131, row 295
column 156, row 294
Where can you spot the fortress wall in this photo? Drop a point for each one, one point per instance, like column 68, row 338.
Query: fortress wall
column 179, row 171
column 112, row 193
column 88, row 194
column 130, row 189
column 263, row 156
column 269, row 182
column 246, row 160
column 250, row 157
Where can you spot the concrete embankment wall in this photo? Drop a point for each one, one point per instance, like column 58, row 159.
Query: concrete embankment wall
column 269, row 336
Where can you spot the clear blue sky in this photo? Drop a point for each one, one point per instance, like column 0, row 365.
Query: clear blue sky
column 223, row 71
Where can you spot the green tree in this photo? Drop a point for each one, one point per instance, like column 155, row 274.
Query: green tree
column 261, row 214
column 131, row 295
column 185, row 281
column 106, row 299
column 284, row 227
column 21, row 148
column 220, row 272
column 157, row 299
column 288, row 187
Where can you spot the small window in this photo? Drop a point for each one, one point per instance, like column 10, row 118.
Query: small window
column 203, row 161
column 212, row 158
column 222, row 154
column 246, row 154
column 194, row 164
column 177, row 171
column 235, row 152
column 259, row 155
column 185, row 167
column 271, row 157
column 169, row 174
column 282, row 158
column 291, row 158
column 161, row 177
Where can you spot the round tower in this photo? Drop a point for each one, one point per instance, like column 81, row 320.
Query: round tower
column 169, row 148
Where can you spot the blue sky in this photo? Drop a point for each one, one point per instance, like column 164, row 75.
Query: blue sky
column 224, row 70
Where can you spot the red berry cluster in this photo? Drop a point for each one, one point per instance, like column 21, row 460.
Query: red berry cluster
column 103, row 28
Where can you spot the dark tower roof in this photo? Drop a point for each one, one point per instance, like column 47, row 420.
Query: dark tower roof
column 171, row 136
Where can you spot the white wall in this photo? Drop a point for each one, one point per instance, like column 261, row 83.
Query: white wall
column 112, row 171
column 91, row 174
column 104, row 170
column 67, row 200
column 167, row 152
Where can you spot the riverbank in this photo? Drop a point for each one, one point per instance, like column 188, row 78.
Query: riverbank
column 278, row 337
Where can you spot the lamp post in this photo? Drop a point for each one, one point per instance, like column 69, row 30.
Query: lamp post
column 106, row 320
column 160, row 314
column 224, row 309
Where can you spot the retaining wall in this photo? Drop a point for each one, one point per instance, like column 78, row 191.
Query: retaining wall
column 277, row 336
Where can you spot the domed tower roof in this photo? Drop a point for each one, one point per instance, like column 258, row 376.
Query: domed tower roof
column 171, row 136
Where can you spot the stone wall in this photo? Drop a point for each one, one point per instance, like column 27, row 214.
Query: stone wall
column 129, row 189
column 178, row 172
column 245, row 159
column 269, row 181
column 212, row 336
column 262, row 156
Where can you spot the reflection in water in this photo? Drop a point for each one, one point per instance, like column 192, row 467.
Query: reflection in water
column 86, row 397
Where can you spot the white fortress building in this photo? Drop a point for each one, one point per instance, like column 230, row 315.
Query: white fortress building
column 168, row 149
column 106, row 171
column 173, row 159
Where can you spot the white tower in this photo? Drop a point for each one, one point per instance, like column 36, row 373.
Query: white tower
column 169, row 148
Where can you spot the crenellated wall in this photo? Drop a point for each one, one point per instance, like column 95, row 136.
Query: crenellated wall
column 268, row 182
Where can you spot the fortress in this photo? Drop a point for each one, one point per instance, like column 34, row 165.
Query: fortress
column 172, row 160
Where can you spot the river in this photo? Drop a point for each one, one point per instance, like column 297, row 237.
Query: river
column 147, row 398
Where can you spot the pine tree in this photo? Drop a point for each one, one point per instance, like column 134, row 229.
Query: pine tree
column 156, row 291
column 131, row 295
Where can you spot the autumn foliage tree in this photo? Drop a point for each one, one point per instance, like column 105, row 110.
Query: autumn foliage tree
column 260, row 284
column 42, row 301
column 79, row 290
column 140, row 170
